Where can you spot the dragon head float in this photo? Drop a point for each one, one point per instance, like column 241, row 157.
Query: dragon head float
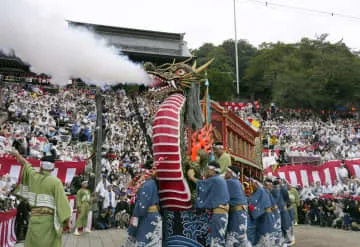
column 177, row 86
column 180, row 78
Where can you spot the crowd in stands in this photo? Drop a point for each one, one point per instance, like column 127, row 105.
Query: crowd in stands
column 293, row 137
column 331, row 140
column 39, row 123
column 341, row 187
column 296, row 137
column 126, row 148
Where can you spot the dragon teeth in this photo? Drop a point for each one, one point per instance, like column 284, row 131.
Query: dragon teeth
column 173, row 84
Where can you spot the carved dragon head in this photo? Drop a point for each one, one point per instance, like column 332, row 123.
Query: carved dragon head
column 176, row 76
column 181, row 78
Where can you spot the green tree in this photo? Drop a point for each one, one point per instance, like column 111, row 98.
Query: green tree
column 246, row 52
column 310, row 74
column 222, row 72
column 219, row 73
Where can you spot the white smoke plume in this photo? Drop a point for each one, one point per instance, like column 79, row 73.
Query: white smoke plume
column 49, row 45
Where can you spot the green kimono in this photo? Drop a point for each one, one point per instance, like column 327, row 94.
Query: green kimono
column 44, row 190
column 200, row 171
column 83, row 201
column 224, row 161
column 294, row 200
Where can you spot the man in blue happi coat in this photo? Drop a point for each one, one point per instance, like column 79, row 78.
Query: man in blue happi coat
column 251, row 222
column 260, row 212
column 285, row 194
column 236, row 231
column 213, row 195
column 145, row 224
column 279, row 200
column 277, row 238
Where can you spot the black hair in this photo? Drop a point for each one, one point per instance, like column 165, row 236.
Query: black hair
column 276, row 182
column 214, row 164
column 50, row 158
column 148, row 164
column 235, row 169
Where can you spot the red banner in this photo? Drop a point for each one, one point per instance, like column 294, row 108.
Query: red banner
column 65, row 171
column 7, row 225
column 306, row 174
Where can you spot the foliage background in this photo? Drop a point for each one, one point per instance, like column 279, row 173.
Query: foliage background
column 310, row 74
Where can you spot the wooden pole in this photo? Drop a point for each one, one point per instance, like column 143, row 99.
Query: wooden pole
column 236, row 52
column 98, row 135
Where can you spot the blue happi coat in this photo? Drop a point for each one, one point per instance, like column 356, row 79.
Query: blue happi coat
column 288, row 228
column 237, row 226
column 211, row 193
column 278, row 196
column 148, row 232
column 278, row 238
column 264, row 221
column 251, row 230
column 286, row 197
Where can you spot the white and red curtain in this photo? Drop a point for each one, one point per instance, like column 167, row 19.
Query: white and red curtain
column 239, row 106
column 64, row 170
column 305, row 174
column 268, row 151
column 7, row 225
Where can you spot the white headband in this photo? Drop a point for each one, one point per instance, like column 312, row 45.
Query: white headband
column 47, row 165
column 233, row 173
column 219, row 146
column 214, row 168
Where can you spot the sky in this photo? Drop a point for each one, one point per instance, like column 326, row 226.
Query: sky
column 212, row 20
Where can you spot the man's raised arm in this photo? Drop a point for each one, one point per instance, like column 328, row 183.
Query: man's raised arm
column 18, row 156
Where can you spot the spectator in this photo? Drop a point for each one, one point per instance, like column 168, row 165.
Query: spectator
column 104, row 220
column 343, row 173
column 318, row 190
column 327, row 189
column 109, row 199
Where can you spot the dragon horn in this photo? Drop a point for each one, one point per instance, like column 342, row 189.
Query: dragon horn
column 194, row 66
column 187, row 60
column 203, row 67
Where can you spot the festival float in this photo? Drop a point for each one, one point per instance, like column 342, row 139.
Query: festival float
column 182, row 140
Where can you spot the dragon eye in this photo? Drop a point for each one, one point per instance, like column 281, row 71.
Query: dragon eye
column 180, row 72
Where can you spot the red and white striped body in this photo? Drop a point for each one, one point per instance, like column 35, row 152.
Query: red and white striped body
column 167, row 130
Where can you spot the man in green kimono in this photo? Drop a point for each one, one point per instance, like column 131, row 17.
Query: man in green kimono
column 200, row 168
column 50, row 209
column 221, row 157
column 295, row 202
column 83, row 205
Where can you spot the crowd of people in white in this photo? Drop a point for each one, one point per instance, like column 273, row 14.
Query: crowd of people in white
column 341, row 187
column 319, row 141
column 39, row 122
column 299, row 134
